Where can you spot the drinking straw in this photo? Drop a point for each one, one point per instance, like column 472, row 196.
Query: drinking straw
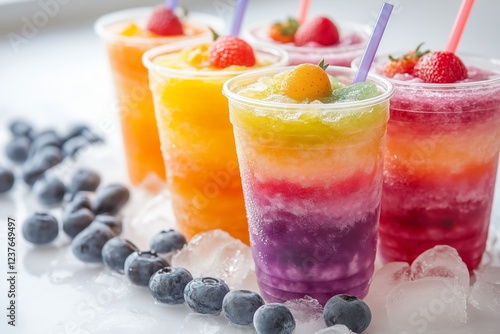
column 373, row 43
column 239, row 12
column 171, row 4
column 458, row 27
column 303, row 10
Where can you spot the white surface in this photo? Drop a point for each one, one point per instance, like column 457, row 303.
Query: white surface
column 60, row 75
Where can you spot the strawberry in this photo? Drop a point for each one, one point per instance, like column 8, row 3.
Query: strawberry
column 164, row 22
column 440, row 67
column 320, row 30
column 230, row 50
column 283, row 32
column 405, row 64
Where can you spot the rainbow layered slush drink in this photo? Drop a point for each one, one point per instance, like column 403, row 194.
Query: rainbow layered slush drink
column 441, row 162
column 312, row 178
column 197, row 138
column 126, row 40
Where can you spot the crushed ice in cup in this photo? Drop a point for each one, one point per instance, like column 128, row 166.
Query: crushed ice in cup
column 427, row 304
column 335, row 329
column 216, row 253
column 308, row 315
column 441, row 261
column 195, row 323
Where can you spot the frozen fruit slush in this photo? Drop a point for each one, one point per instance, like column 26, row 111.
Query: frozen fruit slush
column 197, row 138
column 312, row 180
column 126, row 40
column 441, row 163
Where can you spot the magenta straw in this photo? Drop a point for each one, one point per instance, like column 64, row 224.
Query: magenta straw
column 373, row 43
column 172, row 4
column 239, row 12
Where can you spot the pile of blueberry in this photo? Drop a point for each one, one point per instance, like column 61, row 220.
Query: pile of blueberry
column 91, row 219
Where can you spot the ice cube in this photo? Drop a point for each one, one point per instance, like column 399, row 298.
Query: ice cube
column 195, row 323
column 427, row 304
column 441, row 261
column 335, row 329
column 216, row 253
column 486, row 297
column 308, row 315
column 488, row 275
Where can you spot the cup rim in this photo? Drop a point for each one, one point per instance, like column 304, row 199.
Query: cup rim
column 360, row 27
column 380, row 81
column 141, row 12
column 440, row 86
column 150, row 55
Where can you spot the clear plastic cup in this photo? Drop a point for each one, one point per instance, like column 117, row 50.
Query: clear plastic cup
column 353, row 40
column 198, row 144
column 441, row 163
column 134, row 101
column 312, row 180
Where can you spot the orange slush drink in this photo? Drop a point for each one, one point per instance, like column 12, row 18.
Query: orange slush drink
column 196, row 135
column 126, row 39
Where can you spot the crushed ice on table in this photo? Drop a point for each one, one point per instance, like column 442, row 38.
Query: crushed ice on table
column 308, row 315
column 485, row 293
column 335, row 329
column 195, row 323
column 216, row 253
column 427, row 304
column 441, row 261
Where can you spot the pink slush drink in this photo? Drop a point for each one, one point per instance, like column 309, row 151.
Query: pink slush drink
column 441, row 163
column 312, row 176
column 353, row 40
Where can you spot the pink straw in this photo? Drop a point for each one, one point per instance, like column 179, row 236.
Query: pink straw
column 371, row 48
column 239, row 12
column 303, row 10
column 171, row 4
column 458, row 27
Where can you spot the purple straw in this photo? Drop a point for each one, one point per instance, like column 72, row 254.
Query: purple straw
column 371, row 48
column 171, row 4
column 239, row 11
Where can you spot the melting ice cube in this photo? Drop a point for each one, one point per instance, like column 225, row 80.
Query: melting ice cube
column 336, row 329
column 308, row 315
column 195, row 323
column 486, row 297
column 488, row 275
column 441, row 261
column 427, row 304
column 216, row 253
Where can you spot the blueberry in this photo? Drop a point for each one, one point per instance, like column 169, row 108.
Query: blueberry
column 40, row 228
column 205, row 294
column 73, row 222
column 17, row 149
column 36, row 166
column 112, row 222
column 74, row 145
column 84, row 180
column 49, row 190
column 349, row 311
column 44, row 139
column 116, row 251
column 239, row 306
column 140, row 266
column 20, row 128
column 75, row 131
column 87, row 245
column 273, row 318
column 167, row 285
column 79, row 201
column 110, row 199
column 167, row 241
column 91, row 136
column 6, row 180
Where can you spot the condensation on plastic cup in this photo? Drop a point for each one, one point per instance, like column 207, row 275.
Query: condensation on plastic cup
column 339, row 55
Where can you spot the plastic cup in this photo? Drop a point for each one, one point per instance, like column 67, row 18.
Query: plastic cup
column 353, row 40
column 312, row 180
column 440, row 165
column 134, row 101
column 198, row 144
